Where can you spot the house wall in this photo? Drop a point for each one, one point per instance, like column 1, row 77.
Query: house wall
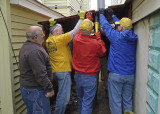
column 142, row 8
column 75, row 6
column 21, row 19
column 85, row 6
column 67, row 7
column 63, row 10
column 153, row 91
column 145, row 16
column 6, row 100
column 141, row 76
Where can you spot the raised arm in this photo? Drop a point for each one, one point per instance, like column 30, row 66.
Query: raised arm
column 115, row 19
column 110, row 32
column 76, row 28
column 101, row 45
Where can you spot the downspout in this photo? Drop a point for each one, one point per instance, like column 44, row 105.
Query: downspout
column 100, row 4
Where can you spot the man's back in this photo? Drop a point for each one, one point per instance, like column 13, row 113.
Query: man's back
column 59, row 52
column 123, row 53
column 28, row 58
column 86, row 54
column 122, row 48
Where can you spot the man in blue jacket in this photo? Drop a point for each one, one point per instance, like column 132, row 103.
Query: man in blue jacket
column 121, row 62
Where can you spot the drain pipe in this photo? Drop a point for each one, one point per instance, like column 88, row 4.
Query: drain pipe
column 100, row 4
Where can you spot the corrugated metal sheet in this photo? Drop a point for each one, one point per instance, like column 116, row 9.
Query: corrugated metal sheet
column 123, row 10
column 68, row 23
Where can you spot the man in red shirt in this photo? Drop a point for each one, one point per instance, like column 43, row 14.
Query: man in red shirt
column 86, row 52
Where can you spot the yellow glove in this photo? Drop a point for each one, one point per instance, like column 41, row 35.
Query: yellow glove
column 82, row 14
column 52, row 22
column 128, row 112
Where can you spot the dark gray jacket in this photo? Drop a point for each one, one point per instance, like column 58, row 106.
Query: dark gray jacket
column 35, row 67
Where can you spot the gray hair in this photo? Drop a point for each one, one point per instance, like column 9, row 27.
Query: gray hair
column 124, row 28
column 54, row 28
column 32, row 35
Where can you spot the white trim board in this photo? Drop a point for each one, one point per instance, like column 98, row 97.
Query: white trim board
column 37, row 7
column 144, row 9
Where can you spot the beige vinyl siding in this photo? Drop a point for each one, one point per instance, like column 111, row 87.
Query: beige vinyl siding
column 75, row 6
column 62, row 10
column 71, row 7
column 85, row 5
column 136, row 4
column 0, row 106
column 6, row 101
column 55, row 2
column 21, row 19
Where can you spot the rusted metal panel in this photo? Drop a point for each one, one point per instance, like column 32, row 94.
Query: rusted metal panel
column 124, row 10
column 68, row 23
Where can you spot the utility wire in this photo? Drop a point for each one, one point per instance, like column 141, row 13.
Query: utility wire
column 10, row 39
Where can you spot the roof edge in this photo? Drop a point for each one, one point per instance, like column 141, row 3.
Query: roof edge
column 38, row 7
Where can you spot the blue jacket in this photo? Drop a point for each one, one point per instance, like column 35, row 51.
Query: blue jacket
column 122, row 55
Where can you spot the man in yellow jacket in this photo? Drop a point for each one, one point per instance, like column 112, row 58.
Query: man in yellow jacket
column 61, row 60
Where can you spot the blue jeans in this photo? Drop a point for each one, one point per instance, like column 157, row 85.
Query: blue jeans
column 120, row 89
column 35, row 101
column 86, row 86
column 64, row 89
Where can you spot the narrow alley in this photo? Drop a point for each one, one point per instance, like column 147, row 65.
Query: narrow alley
column 21, row 19
column 100, row 105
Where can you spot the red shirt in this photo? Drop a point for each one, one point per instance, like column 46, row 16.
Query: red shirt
column 86, row 52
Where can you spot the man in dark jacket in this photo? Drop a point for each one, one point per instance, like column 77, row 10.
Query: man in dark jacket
column 121, row 62
column 35, row 73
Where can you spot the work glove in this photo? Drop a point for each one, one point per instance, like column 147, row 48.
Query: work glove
column 101, row 10
column 98, row 35
column 110, row 11
column 82, row 14
column 89, row 16
column 52, row 22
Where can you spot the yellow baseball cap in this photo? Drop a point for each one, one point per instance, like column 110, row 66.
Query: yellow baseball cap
column 126, row 22
column 86, row 25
